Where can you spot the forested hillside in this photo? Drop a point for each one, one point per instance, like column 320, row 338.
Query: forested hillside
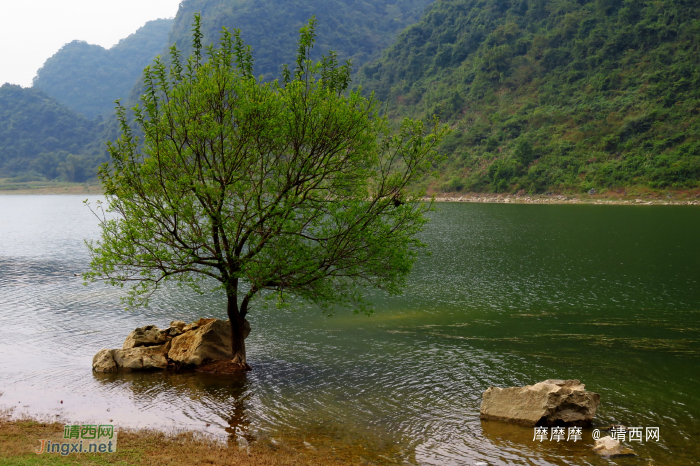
column 41, row 137
column 553, row 94
column 356, row 29
column 89, row 78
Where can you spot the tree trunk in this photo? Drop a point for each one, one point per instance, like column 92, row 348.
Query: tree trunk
column 237, row 334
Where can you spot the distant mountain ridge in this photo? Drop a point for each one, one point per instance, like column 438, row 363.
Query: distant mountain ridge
column 41, row 136
column 89, row 78
column 81, row 81
column 553, row 94
column 355, row 29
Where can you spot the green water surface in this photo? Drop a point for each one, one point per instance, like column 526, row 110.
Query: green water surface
column 510, row 295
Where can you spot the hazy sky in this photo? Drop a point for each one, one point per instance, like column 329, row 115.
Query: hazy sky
column 33, row 30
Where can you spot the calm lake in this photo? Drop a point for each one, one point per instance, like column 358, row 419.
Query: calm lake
column 511, row 295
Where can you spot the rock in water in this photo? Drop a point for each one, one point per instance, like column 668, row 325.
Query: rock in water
column 142, row 358
column 548, row 403
column 104, row 361
column 210, row 341
column 149, row 347
column 608, row 447
column 150, row 335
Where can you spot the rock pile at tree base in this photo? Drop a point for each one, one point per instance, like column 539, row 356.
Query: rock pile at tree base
column 548, row 403
column 227, row 367
column 180, row 346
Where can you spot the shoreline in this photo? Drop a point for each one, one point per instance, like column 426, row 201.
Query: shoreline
column 21, row 435
column 603, row 199
column 606, row 198
column 30, row 188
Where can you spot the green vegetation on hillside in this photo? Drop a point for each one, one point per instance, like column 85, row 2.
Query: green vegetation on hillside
column 553, row 94
column 46, row 132
column 89, row 78
column 355, row 29
column 41, row 138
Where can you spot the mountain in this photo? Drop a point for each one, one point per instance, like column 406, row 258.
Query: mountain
column 56, row 129
column 553, row 94
column 47, row 131
column 89, row 78
column 41, row 136
column 356, row 29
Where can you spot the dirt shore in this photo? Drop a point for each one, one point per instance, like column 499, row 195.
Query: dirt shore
column 48, row 188
column 603, row 199
column 146, row 447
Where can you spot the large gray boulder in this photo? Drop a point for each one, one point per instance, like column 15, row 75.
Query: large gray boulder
column 548, row 403
column 150, row 335
column 104, row 362
column 209, row 341
column 142, row 358
column 132, row 359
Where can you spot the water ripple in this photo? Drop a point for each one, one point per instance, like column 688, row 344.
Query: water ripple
column 511, row 295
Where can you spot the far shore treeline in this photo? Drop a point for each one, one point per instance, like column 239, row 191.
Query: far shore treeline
column 542, row 95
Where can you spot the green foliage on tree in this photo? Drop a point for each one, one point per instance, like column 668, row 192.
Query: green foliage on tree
column 260, row 189
column 41, row 137
column 553, row 94
column 89, row 78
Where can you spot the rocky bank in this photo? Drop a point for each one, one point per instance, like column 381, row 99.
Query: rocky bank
column 564, row 199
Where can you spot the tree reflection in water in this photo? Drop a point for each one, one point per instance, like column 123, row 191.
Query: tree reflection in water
column 218, row 402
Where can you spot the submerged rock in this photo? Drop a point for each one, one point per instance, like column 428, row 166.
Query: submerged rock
column 609, row 447
column 548, row 403
column 180, row 345
column 150, row 335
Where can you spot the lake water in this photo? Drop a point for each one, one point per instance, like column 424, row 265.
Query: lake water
column 511, row 295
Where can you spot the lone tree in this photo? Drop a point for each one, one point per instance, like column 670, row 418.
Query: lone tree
column 262, row 189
